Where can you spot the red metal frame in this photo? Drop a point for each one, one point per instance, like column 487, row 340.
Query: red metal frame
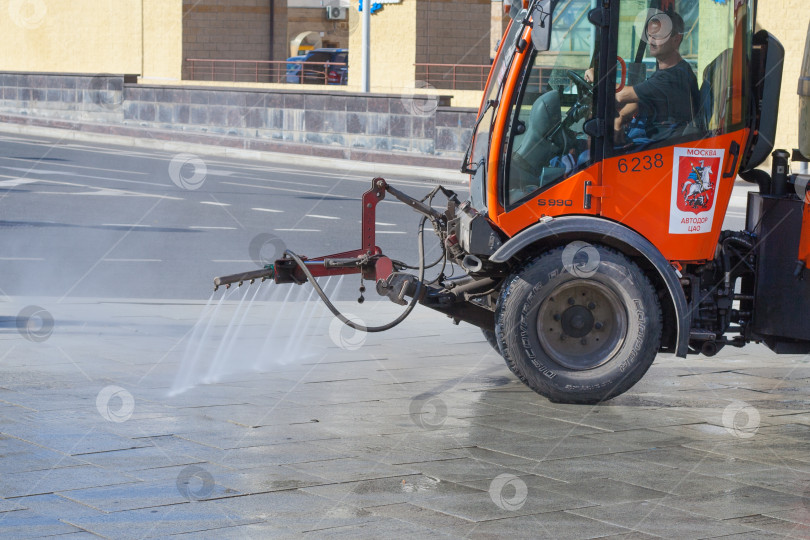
column 621, row 61
column 804, row 243
column 378, row 266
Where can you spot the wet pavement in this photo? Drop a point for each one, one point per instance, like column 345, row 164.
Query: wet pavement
column 418, row 431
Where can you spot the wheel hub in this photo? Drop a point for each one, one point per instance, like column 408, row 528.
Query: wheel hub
column 582, row 324
column 577, row 321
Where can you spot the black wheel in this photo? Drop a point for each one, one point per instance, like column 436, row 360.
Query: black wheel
column 579, row 332
column 491, row 339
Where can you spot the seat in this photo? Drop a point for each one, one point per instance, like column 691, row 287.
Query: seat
column 530, row 168
column 535, row 149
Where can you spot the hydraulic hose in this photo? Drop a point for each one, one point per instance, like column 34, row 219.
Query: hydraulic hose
column 443, row 257
column 360, row 327
column 409, row 267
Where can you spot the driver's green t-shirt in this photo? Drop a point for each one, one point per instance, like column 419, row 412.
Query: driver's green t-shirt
column 669, row 96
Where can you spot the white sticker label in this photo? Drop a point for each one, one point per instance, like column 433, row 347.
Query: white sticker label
column 696, row 174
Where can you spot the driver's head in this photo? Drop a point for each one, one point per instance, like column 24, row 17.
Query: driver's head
column 665, row 33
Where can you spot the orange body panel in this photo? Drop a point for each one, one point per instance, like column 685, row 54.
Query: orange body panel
column 499, row 130
column 649, row 194
column 565, row 198
column 804, row 244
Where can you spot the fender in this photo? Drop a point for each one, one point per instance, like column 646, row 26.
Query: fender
column 563, row 229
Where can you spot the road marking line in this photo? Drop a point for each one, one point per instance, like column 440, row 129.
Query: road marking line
column 17, row 182
column 264, row 170
column 221, row 172
column 301, row 191
column 214, row 203
column 265, row 179
column 98, row 191
column 297, row 230
column 126, row 225
column 21, row 259
column 39, row 171
column 242, row 175
column 213, row 228
column 36, row 161
column 268, row 210
column 132, row 260
column 33, row 170
column 321, row 217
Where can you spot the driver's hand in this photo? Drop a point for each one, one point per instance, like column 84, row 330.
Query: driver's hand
column 588, row 75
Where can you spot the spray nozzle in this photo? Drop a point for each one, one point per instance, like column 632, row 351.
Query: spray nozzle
column 268, row 272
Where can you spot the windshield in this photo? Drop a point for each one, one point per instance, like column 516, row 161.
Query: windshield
column 492, row 93
column 547, row 142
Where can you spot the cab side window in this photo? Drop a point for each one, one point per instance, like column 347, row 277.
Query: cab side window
column 681, row 65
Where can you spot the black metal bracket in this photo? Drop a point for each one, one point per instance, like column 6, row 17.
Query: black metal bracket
column 734, row 150
column 599, row 17
column 595, row 127
column 587, row 198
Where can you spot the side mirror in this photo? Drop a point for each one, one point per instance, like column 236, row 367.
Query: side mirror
column 541, row 24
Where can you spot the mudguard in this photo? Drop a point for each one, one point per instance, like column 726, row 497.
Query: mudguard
column 557, row 231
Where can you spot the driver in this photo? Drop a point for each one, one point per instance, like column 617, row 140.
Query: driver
column 669, row 99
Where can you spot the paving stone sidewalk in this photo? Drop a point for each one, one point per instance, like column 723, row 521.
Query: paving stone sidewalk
column 418, row 431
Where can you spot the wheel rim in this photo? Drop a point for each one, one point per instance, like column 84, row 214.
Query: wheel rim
column 582, row 324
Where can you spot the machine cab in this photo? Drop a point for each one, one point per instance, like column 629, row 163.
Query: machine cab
column 632, row 110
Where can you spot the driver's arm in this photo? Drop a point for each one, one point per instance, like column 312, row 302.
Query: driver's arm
column 625, row 96
column 624, row 116
column 627, row 106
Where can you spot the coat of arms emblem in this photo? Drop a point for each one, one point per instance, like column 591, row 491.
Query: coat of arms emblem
column 695, row 187
column 696, row 174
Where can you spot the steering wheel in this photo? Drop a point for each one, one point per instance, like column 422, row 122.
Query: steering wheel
column 584, row 100
column 584, row 88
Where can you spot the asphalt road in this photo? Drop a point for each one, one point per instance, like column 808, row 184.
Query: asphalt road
column 88, row 220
